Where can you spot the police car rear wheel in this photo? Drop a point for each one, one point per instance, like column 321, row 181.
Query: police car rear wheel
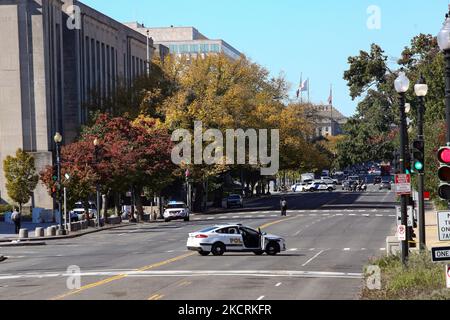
column 272, row 248
column 218, row 249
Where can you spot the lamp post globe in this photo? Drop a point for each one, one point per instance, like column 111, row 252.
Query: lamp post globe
column 443, row 36
column 421, row 88
column 57, row 138
column 401, row 83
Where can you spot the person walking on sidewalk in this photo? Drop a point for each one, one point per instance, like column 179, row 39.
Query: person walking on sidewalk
column 284, row 207
column 16, row 218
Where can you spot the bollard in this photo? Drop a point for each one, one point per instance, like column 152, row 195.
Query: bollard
column 38, row 232
column 23, row 234
column 51, row 231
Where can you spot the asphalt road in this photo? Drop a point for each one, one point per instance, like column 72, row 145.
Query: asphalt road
column 330, row 237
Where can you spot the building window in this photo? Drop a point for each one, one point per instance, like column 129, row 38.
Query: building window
column 194, row 48
column 204, row 48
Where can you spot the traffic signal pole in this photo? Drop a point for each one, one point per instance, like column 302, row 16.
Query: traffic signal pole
column 404, row 198
column 447, row 93
column 421, row 177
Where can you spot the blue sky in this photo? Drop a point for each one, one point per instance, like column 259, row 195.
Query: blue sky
column 293, row 36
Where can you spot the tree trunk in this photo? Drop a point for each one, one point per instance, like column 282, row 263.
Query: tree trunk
column 104, row 207
column 139, row 206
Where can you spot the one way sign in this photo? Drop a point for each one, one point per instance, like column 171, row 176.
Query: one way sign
column 441, row 254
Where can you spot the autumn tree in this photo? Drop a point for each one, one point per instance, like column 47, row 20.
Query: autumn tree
column 21, row 177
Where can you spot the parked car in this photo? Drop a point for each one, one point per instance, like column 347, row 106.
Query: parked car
column 301, row 187
column 176, row 210
column 320, row 186
column 329, row 180
column 79, row 211
column 385, row 185
column 235, row 200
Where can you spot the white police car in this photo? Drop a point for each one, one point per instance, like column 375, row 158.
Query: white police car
column 176, row 210
column 234, row 238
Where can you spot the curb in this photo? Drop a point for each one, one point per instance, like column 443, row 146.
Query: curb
column 70, row 236
column 21, row 244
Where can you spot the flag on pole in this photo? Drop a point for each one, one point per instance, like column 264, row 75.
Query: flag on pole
column 330, row 98
column 304, row 86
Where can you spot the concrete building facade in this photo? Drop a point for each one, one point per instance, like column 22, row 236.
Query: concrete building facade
column 328, row 121
column 186, row 41
column 55, row 56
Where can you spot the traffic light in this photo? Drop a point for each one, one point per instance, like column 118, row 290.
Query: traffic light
column 444, row 173
column 396, row 162
column 55, row 173
column 418, row 156
column 408, row 169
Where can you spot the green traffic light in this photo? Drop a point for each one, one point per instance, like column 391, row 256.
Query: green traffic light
column 407, row 171
column 418, row 166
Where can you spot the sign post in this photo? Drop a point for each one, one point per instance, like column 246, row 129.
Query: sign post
column 444, row 225
column 403, row 184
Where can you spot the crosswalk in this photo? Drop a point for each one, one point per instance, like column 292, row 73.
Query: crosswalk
column 305, row 213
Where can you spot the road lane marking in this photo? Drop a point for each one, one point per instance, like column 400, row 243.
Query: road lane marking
column 264, row 226
column 260, row 298
column 346, row 249
column 121, row 276
column 278, row 284
column 156, row 297
column 310, row 260
column 146, row 268
column 203, row 273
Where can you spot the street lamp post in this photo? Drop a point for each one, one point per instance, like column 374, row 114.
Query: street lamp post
column 97, row 184
column 58, row 139
column 444, row 44
column 401, row 86
column 421, row 90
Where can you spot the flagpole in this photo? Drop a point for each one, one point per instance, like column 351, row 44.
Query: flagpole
column 309, row 85
column 301, row 91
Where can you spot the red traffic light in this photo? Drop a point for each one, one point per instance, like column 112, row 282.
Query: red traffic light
column 444, row 155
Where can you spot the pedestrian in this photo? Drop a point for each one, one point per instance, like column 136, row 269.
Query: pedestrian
column 16, row 218
column 284, row 207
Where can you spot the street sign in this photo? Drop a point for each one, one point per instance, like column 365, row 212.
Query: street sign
column 444, row 225
column 440, row 254
column 410, row 216
column 403, row 184
column 401, row 233
column 447, row 273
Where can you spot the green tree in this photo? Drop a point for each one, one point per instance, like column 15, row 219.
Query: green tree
column 21, row 177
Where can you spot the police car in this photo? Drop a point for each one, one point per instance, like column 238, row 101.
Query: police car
column 234, row 238
column 176, row 210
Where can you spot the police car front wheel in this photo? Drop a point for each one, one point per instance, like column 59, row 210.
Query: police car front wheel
column 272, row 248
column 218, row 249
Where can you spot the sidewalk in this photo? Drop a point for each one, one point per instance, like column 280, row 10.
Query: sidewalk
column 10, row 239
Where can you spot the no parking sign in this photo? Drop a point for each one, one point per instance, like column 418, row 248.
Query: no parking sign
column 401, row 232
column 447, row 267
